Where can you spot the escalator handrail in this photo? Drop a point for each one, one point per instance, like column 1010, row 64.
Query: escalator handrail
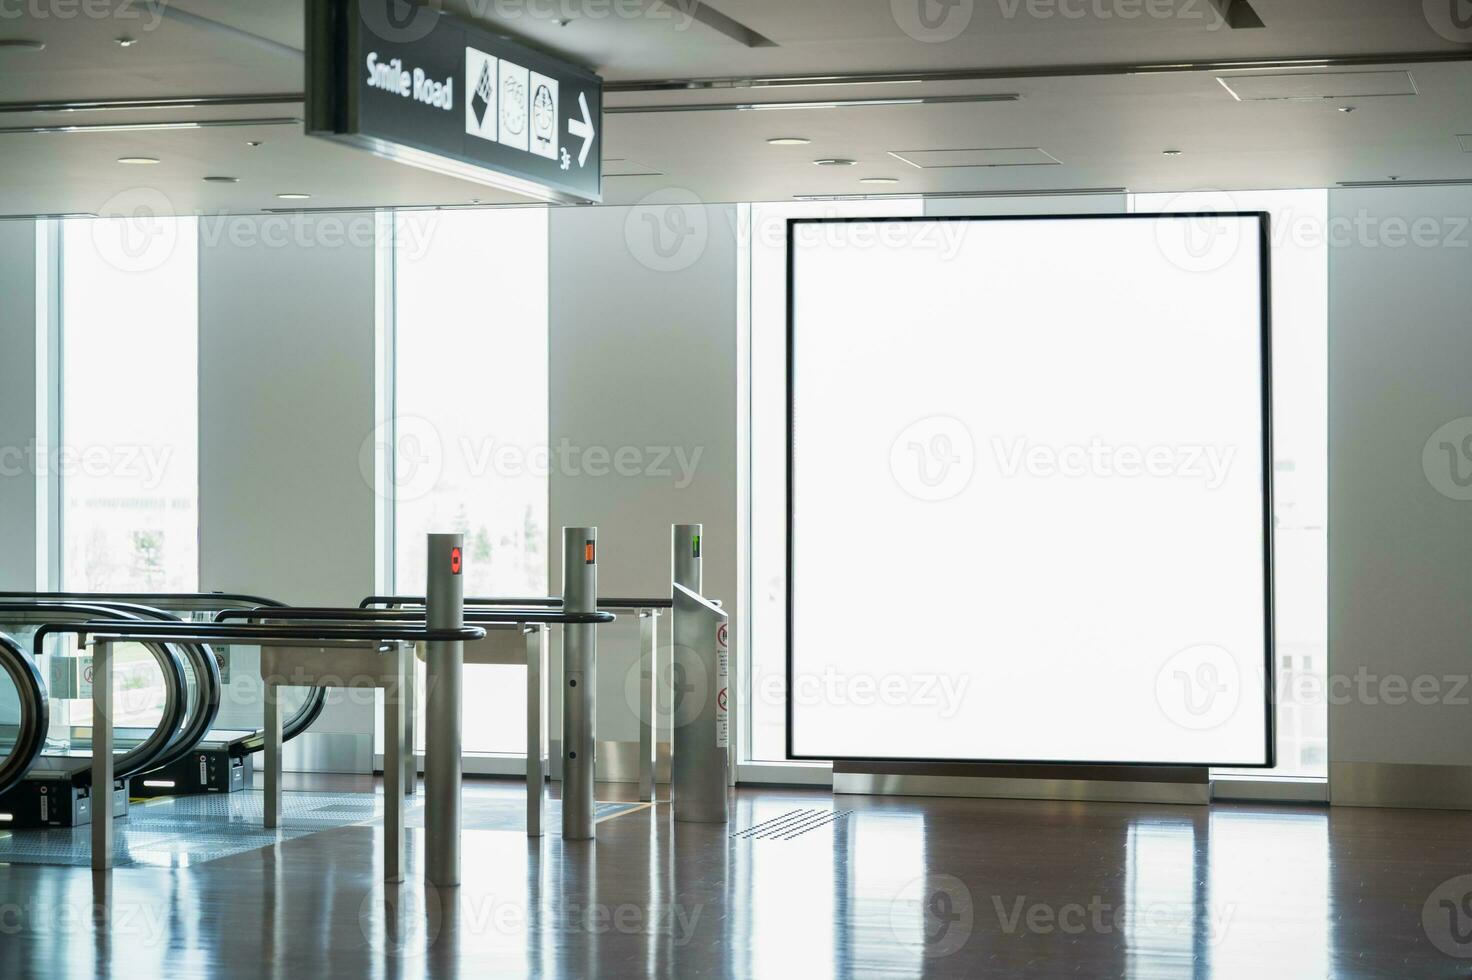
column 200, row 717
column 619, row 604
column 286, row 633
column 472, row 617
column 296, row 724
column 35, row 709
column 168, row 601
column 209, row 687
column 142, row 757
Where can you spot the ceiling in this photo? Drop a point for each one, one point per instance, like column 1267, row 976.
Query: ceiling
column 1104, row 127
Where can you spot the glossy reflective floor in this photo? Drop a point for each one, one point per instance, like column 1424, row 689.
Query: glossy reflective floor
column 896, row 887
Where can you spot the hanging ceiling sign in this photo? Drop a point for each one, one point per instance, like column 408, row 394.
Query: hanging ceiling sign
column 417, row 86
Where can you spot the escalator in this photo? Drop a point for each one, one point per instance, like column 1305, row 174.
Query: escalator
column 220, row 730
column 156, row 689
column 203, row 686
column 24, row 715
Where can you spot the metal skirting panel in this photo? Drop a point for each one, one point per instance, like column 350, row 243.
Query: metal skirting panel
column 1400, row 785
column 1270, row 790
column 784, row 774
column 340, row 752
column 617, row 762
column 1098, row 790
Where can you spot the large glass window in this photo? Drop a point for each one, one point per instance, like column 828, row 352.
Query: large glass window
column 470, row 442
column 1300, row 277
column 129, row 460
column 128, row 463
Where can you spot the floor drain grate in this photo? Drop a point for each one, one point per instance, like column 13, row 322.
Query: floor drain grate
column 793, row 823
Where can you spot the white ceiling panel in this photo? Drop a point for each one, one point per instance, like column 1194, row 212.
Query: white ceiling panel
column 1106, row 130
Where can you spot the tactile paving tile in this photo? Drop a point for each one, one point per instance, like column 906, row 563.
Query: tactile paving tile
column 510, row 814
column 792, row 824
column 181, row 831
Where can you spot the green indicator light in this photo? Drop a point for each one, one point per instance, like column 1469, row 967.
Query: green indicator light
column 695, row 546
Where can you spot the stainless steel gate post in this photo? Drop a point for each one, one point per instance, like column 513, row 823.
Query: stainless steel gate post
column 410, row 707
column 272, row 733
column 444, row 604
column 685, row 566
column 699, row 673
column 579, row 678
column 536, row 730
column 648, row 703
column 102, row 761
column 394, row 696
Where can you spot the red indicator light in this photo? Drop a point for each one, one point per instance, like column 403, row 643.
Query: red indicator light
column 454, row 561
column 588, row 553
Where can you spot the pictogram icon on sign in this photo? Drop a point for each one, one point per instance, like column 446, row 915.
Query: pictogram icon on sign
column 721, row 699
column 723, row 634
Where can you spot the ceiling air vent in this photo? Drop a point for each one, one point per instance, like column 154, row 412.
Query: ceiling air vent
column 1440, row 182
column 620, row 167
column 997, row 156
column 946, row 195
column 705, row 14
column 1311, row 86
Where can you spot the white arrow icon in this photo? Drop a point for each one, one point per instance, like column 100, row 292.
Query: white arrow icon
column 582, row 128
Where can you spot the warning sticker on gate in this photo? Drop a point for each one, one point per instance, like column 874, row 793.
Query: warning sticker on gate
column 723, row 674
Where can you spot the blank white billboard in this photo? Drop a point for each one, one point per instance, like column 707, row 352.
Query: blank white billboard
column 1028, row 499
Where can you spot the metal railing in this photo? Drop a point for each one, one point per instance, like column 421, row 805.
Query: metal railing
column 298, row 647
column 185, row 603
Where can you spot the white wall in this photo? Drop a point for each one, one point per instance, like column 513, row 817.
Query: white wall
column 643, row 334
column 287, row 339
column 1400, row 529
column 24, row 408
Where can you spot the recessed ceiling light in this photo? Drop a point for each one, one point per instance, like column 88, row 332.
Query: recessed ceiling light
column 140, row 161
column 222, row 180
column 879, row 180
column 293, row 196
column 1346, row 108
column 835, row 162
column 1171, row 153
column 789, row 141
column 125, row 42
column 252, row 143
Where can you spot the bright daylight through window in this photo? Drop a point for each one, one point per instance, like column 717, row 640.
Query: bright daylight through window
column 130, row 458
column 469, row 446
